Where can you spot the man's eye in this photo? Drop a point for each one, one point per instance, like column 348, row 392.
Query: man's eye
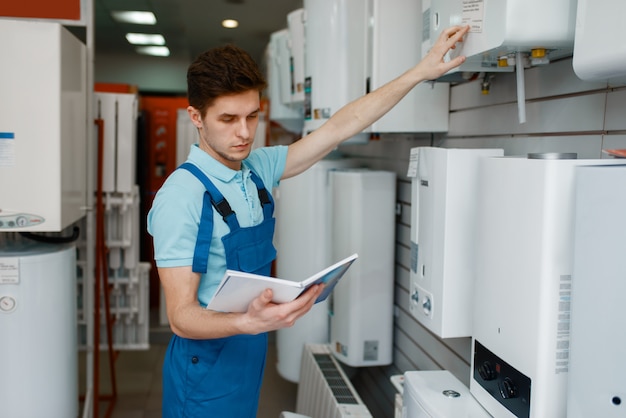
column 254, row 116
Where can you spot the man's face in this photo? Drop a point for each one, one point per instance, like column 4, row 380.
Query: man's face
column 227, row 130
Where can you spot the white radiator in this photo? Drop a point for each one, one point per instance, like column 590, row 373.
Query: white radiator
column 324, row 390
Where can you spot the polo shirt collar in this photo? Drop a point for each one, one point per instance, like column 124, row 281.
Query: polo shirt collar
column 214, row 168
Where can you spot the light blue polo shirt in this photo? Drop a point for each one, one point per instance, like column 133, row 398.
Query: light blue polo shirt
column 174, row 217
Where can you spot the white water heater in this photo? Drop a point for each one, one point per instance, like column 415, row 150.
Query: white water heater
column 396, row 33
column 363, row 222
column 336, row 53
column 304, row 244
column 119, row 113
column 354, row 47
column 541, row 30
column 597, row 376
column 43, row 127
column 524, row 265
column 598, row 22
column 438, row 394
column 278, row 61
column 38, row 344
column 443, row 238
column 295, row 25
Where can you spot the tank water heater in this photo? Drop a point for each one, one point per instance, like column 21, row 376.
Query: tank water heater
column 335, row 59
column 38, row 344
column 597, row 376
column 443, row 237
column 396, row 33
column 524, row 266
column 295, row 25
column 599, row 52
column 278, row 61
column 363, row 222
column 119, row 112
column 43, row 154
column 504, row 35
column 500, row 28
column 353, row 47
column 304, row 243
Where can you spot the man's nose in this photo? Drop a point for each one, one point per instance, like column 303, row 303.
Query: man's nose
column 242, row 129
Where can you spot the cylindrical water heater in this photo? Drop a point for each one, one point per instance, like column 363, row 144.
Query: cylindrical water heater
column 282, row 111
column 335, row 59
column 38, row 346
column 363, row 221
column 295, row 25
column 303, row 239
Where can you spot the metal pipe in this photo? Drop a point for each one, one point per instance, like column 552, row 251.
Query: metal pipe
column 521, row 93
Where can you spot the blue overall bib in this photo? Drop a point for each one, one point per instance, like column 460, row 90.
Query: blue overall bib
column 221, row 377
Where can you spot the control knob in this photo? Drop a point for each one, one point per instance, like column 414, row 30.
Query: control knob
column 508, row 389
column 486, row 371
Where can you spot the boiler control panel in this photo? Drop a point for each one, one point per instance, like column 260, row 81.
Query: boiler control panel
column 19, row 220
column 502, row 381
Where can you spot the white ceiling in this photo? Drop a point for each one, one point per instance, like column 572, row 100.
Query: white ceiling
column 192, row 26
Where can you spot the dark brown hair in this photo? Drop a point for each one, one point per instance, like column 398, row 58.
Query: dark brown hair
column 222, row 71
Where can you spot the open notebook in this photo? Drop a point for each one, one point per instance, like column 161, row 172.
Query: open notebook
column 237, row 289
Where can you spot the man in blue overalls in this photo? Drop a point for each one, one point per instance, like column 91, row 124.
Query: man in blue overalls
column 216, row 212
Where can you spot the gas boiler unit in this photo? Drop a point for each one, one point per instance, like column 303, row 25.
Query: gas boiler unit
column 524, row 266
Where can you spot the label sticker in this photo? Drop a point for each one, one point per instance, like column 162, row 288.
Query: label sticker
column 9, row 270
column 413, row 160
column 7, row 149
column 473, row 15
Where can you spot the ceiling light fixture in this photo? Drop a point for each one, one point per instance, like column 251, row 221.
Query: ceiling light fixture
column 230, row 23
column 158, row 51
column 138, row 18
column 145, row 39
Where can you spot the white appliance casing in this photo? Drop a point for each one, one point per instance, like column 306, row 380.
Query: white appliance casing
column 502, row 27
column 295, row 25
column 425, row 107
column 304, row 244
column 443, row 235
column 39, row 343
column 336, row 54
column 523, row 273
column 597, row 377
column 424, row 397
column 363, row 222
column 598, row 22
column 353, row 47
column 119, row 112
column 44, row 168
column 278, row 61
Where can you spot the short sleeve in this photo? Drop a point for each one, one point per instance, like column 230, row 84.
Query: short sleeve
column 173, row 222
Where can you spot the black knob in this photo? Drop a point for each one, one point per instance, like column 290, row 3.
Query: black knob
column 486, row 371
column 508, row 389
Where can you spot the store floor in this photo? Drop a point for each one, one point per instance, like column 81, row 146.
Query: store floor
column 138, row 377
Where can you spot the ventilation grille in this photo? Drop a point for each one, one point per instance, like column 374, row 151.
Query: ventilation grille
column 324, row 390
column 335, row 381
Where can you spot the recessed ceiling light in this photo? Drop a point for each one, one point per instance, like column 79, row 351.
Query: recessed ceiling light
column 159, row 51
column 138, row 18
column 230, row 23
column 145, row 39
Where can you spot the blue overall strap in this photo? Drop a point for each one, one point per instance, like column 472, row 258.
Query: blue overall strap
column 266, row 199
column 212, row 198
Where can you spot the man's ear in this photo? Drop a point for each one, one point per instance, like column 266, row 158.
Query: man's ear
column 195, row 116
